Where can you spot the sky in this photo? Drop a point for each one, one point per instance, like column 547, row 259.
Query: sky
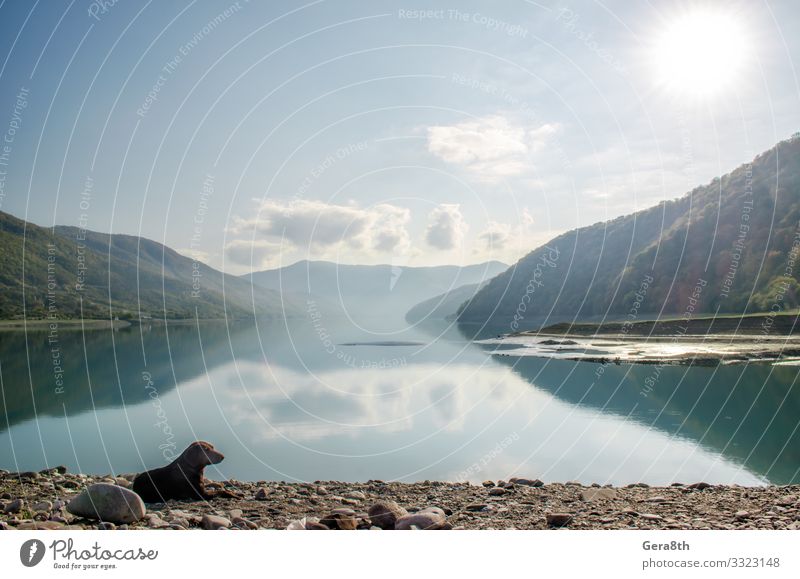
column 251, row 135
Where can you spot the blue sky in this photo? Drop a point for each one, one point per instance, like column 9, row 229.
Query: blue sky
column 256, row 134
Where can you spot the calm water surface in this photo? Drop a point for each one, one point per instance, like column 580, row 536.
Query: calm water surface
column 291, row 401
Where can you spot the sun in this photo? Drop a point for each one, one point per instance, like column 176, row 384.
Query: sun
column 700, row 53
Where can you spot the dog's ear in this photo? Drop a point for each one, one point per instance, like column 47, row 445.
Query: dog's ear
column 194, row 456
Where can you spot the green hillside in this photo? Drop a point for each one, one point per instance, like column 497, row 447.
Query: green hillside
column 732, row 238
column 115, row 275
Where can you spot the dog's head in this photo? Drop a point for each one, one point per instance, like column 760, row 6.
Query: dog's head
column 201, row 454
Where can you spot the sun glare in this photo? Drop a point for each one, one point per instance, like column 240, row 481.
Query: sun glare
column 700, row 53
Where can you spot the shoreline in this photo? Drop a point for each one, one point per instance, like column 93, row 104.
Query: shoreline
column 37, row 501
column 70, row 324
column 63, row 324
column 777, row 325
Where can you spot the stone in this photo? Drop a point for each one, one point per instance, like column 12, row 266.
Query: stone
column 423, row 520
column 356, row 495
column 107, row 502
column 262, row 494
column 184, row 515
column 241, row 523
column 651, row 517
column 526, row 482
column 155, row 522
column 104, row 526
column 741, row 515
column 699, row 486
column 476, row 507
column 384, row 514
column 340, row 521
column 123, row 482
column 214, row 522
column 311, row 526
column 488, row 483
column 434, row 510
column 42, row 507
column 497, row 492
column 558, row 519
column 656, row 499
column 14, row 506
column 598, row 494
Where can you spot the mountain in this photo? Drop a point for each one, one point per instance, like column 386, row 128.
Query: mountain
column 444, row 306
column 116, row 275
column 372, row 290
column 726, row 246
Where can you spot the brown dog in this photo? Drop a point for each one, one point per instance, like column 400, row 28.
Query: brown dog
column 182, row 478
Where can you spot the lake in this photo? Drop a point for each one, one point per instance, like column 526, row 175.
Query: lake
column 329, row 398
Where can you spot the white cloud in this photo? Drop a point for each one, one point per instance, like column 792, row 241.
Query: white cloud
column 491, row 147
column 495, row 236
column 389, row 229
column 446, row 227
column 320, row 227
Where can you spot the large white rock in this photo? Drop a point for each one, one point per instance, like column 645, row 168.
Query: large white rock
column 108, row 502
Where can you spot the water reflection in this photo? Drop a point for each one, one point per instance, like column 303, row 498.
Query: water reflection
column 295, row 402
column 748, row 413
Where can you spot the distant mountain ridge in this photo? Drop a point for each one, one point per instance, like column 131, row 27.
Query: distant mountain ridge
column 372, row 289
column 117, row 275
column 726, row 246
column 444, row 306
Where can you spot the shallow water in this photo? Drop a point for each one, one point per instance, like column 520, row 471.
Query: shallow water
column 292, row 401
column 739, row 348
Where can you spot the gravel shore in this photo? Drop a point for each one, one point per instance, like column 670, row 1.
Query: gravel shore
column 39, row 500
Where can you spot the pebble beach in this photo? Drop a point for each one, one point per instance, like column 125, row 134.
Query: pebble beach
column 56, row 499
